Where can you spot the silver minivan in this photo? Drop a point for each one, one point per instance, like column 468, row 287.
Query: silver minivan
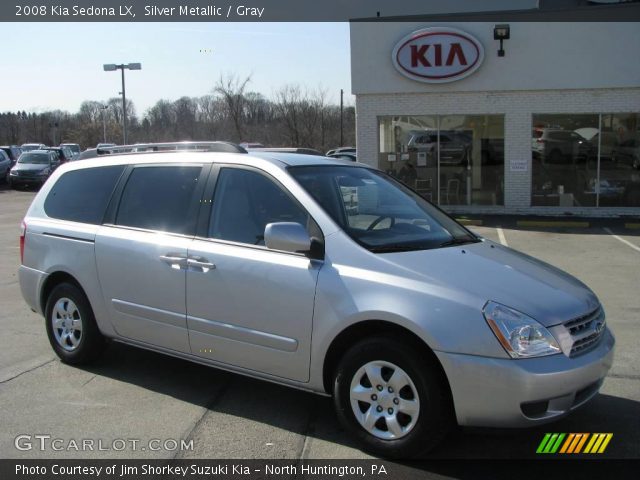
column 319, row 274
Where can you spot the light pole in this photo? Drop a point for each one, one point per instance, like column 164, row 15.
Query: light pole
column 104, row 122
column 112, row 67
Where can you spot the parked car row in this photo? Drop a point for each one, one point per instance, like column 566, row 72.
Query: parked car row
column 32, row 163
column 35, row 169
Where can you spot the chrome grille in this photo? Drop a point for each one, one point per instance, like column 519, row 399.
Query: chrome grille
column 586, row 331
column 26, row 173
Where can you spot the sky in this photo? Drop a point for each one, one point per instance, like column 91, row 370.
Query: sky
column 59, row 65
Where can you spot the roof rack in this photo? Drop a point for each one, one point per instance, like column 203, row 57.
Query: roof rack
column 227, row 147
column 300, row 150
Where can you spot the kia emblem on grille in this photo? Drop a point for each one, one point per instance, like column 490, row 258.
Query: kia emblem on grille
column 599, row 327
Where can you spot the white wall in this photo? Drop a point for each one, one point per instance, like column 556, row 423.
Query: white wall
column 539, row 55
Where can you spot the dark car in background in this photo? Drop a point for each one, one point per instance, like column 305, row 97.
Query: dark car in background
column 13, row 152
column 64, row 153
column 74, row 147
column 33, row 168
column 5, row 165
column 628, row 152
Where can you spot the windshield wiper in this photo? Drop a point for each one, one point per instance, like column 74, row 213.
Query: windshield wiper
column 397, row 248
column 458, row 241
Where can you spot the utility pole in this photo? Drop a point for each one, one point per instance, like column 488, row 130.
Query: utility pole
column 104, row 122
column 341, row 122
column 124, row 111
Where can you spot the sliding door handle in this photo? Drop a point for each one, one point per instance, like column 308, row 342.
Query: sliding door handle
column 200, row 263
column 174, row 260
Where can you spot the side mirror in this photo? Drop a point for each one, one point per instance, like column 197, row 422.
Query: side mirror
column 287, row 236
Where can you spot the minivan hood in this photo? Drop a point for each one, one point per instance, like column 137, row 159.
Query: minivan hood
column 36, row 167
column 489, row 271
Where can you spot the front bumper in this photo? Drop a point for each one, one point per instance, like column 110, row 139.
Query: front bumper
column 496, row 392
column 15, row 180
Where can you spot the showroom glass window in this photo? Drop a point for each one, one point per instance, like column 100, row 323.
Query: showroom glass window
column 448, row 159
column 586, row 160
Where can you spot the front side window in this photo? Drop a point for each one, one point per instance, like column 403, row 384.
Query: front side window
column 245, row 201
column 377, row 212
column 160, row 198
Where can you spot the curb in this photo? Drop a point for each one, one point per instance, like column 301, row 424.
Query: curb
column 553, row 223
column 472, row 222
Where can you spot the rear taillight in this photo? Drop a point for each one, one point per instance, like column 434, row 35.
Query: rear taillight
column 540, row 140
column 23, row 234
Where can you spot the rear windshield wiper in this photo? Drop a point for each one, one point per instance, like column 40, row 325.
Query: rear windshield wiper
column 458, row 241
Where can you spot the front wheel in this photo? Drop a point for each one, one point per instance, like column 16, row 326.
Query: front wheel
column 393, row 399
column 71, row 326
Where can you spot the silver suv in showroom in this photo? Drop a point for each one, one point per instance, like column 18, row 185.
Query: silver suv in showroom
column 319, row 274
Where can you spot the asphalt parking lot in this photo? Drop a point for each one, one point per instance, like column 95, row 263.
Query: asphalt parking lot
column 135, row 394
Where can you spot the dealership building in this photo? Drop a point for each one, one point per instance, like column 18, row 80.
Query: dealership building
column 504, row 112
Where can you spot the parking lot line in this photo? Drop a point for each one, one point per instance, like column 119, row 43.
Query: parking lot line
column 635, row 247
column 503, row 239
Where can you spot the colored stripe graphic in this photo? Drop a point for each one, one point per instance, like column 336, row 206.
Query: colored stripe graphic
column 567, row 443
column 574, row 443
column 550, row 443
column 555, row 447
column 591, row 442
column 581, row 443
column 543, row 443
column 606, row 442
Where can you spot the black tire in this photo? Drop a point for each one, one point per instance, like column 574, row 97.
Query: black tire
column 435, row 418
column 91, row 342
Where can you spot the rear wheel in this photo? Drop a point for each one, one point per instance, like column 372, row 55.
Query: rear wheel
column 392, row 398
column 71, row 326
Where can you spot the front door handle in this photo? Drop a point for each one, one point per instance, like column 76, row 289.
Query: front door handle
column 200, row 263
column 174, row 260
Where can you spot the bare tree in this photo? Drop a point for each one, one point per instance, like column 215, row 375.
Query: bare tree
column 288, row 103
column 231, row 89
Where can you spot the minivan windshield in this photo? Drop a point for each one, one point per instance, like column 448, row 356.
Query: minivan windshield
column 38, row 158
column 378, row 212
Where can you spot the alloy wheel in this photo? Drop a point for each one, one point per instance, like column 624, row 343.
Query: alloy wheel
column 384, row 400
column 67, row 324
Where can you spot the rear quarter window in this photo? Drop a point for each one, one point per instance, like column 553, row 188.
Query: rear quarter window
column 83, row 195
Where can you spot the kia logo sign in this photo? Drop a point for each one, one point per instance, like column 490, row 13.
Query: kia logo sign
column 437, row 55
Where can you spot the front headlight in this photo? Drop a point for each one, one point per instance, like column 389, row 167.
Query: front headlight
column 520, row 335
column 44, row 172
